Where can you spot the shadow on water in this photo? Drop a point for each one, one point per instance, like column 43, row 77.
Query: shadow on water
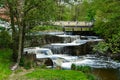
column 107, row 74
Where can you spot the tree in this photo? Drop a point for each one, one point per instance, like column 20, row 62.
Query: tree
column 22, row 13
column 107, row 22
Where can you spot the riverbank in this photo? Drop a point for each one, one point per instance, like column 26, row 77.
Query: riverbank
column 35, row 73
column 47, row 74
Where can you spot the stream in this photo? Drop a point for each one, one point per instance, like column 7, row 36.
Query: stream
column 103, row 67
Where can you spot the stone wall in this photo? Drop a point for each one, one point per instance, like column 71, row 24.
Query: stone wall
column 41, row 40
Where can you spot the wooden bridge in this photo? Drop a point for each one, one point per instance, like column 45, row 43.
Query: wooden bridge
column 74, row 25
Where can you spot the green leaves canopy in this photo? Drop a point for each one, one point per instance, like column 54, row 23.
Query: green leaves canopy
column 108, row 22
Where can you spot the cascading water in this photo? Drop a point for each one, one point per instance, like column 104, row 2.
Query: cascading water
column 103, row 67
column 66, row 47
column 69, row 38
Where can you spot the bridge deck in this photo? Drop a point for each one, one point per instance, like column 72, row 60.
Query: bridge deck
column 73, row 24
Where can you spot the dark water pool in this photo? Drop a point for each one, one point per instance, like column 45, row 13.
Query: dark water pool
column 107, row 74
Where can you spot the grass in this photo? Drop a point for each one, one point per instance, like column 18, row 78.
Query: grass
column 5, row 61
column 43, row 74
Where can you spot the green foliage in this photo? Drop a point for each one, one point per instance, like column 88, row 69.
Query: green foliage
column 2, row 28
column 85, row 69
column 101, row 47
column 73, row 67
column 91, row 77
column 43, row 66
column 114, row 43
column 24, row 63
column 2, row 3
column 73, row 12
column 90, row 15
column 5, row 39
column 46, row 28
column 5, row 62
column 27, row 63
column 43, row 10
column 107, row 22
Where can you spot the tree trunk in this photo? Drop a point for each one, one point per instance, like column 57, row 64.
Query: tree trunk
column 20, row 47
column 21, row 25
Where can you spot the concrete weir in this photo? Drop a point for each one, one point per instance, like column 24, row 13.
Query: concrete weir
column 76, row 47
column 63, row 43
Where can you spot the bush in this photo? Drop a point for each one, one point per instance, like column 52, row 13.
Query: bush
column 46, row 28
column 101, row 47
column 85, row 69
column 5, row 39
column 73, row 67
column 25, row 64
column 91, row 77
column 28, row 61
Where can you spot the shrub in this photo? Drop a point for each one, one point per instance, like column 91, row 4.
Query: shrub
column 101, row 47
column 91, row 77
column 26, row 62
column 85, row 69
column 46, row 28
column 73, row 67
column 5, row 39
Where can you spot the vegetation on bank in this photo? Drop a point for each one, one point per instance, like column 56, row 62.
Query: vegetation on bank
column 33, row 13
column 5, row 62
column 37, row 73
column 107, row 25
column 47, row 28
column 85, row 69
column 5, row 39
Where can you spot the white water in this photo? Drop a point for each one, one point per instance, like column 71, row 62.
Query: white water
column 65, row 61
column 94, row 61
column 76, row 40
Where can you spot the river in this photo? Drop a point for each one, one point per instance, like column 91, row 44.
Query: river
column 102, row 67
